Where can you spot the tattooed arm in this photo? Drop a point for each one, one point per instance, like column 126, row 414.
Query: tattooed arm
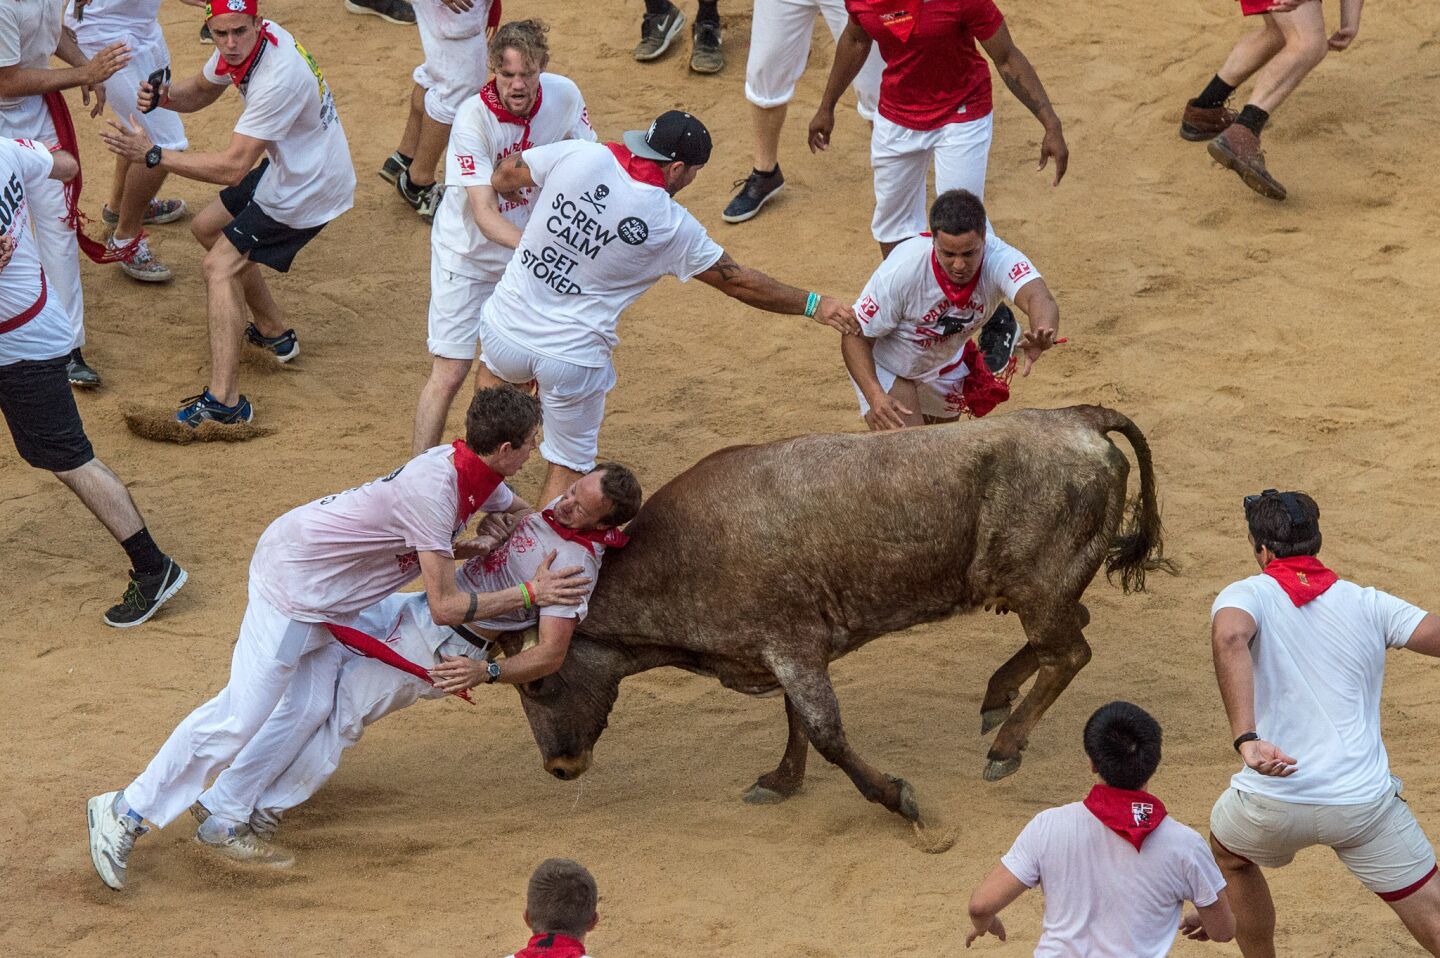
column 1024, row 83
column 755, row 288
column 511, row 176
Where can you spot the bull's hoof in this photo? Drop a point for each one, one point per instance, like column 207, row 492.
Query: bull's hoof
column 908, row 807
column 996, row 769
column 991, row 719
column 760, row 795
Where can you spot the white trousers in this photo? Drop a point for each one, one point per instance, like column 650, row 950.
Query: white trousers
column 780, row 34
column 900, row 158
column 456, row 56
column 270, row 651
column 147, row 54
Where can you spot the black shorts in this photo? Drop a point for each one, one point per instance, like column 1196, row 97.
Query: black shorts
column 254, row 233
column 40, row 410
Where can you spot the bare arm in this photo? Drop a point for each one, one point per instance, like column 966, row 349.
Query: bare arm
column 451, row 605
column 1426, row 637
column 457, row 673
column 1349, row 24
column 1021, row 79
column 1039, row 306
column 1214, row 922
column 228, row 168
column 754, row 288
column 64, row 166
column 886, row 412
column 86, row 73
column 1230, row 637
column 850, row 52
column 485, row 207
column 997, row 890
column 511, row 176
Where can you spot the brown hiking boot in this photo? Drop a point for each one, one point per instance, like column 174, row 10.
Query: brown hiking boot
column 1199, row 123
column 1238, row 149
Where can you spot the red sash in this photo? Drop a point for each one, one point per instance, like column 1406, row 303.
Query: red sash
column 373, row 648
column 639, row 168
column 16, row 322
column 609, row 538
column 65, row 136
column 1132, row 815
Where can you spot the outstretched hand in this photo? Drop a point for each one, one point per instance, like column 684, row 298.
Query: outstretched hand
column 456, row 673
column 1267, row 759
column 1033, row 344
column 832, row 312
column 565, row 587
column 127, row 139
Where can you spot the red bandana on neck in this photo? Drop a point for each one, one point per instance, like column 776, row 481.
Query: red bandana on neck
column 1133, row 816
column 898, row 16
column 1304, row 578
column 957, row 294
column 490, row 96
column 552, row 946
column 474, row 481
column 240, row 73
column 639, row 168
column 609, row 538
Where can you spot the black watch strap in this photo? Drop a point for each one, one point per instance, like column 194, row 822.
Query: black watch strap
column 1247, row 737
column 492, row 670
column 152, row 157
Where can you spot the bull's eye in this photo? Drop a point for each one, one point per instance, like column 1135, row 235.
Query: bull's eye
column 533, row 688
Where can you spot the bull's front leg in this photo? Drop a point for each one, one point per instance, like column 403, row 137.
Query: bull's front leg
column 785, row 781
column 1004, row 687
column 808, row 690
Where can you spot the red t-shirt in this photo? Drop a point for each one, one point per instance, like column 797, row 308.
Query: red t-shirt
column 935, row 75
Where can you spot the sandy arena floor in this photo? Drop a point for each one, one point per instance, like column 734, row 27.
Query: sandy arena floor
column 1257, row 344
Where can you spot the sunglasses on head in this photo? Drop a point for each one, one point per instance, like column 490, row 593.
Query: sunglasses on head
column 1287, row 499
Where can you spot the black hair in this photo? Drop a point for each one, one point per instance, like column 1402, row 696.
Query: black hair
column 1286, row 528
column 956, row 212
column 1123, row 741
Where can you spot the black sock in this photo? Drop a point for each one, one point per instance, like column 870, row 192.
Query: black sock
column 707, row 11
column 1215, row 94
column 144, row 554
column 1252, row 118
column 767, row 172
column 405, row 160
column 654, row 8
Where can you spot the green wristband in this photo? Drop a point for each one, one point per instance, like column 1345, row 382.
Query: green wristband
column 812, row 303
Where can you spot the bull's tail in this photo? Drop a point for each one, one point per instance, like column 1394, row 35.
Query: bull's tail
column 1140, row 547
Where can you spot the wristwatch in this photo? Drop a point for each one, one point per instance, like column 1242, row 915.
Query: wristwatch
column 492, row 670
column 152, row 157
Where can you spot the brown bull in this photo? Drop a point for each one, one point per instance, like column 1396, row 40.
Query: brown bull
column 760, row 565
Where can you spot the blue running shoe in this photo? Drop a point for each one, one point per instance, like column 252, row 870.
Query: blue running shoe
column 196, row 409
column 286, row 346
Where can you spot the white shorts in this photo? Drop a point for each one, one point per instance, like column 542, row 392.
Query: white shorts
column 1380, row 842
column 455, row 302
column 572, row 398
column 900, row 158
column 940, row 396
column 456, row 56
column 780, row 34
column 147, row 54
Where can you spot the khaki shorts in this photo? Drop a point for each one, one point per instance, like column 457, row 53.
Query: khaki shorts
column 1380, row 842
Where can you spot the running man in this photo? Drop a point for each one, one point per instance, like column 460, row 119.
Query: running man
column 35, row 337
column 323, row 564
column 475, row 231
column 606, row 229
column 913, row 360
column 780, row 33
column 266, row 214
column 1300, row 660
column 934, row 102
column 1290, row 43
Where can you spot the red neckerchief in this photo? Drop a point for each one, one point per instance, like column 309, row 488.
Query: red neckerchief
column 490, row 96
column 240, row 73
column 552, row 946
column 96, row 252
column 639, row 168
column 474, row 481
column 959, row 295
column 898, row 16
column 609, row 538
column 1304, row 578
column 1133, row 816
column 372, row 648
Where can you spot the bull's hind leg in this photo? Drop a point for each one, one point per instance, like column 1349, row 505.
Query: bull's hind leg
column 808, row 689
column 1062, row 652
column 1004, row 687
column 785, row 781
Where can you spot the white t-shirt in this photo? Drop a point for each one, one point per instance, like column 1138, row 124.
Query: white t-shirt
column 516, row 560
column 1318, row 673
column 1104, row 899
column 29, row 33
column 107, row 21
column 596, row 240
column 311, row 179
column 479, row 140
column 24, row 165
column 339, row 554
column 915, row 326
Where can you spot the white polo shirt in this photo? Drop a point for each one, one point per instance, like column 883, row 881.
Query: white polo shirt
column 479, row 140
column 1318, row 673
column 24, row 165
column 29, row 33
column 915, row 326
column 107, row 21
column 1103, row 898
column 311, row 179
column 596, row 240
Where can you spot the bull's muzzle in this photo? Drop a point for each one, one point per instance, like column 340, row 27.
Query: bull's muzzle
column 566, row 767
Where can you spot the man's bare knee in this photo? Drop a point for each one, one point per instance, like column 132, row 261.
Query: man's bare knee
column 450, row 374
column 223, row 262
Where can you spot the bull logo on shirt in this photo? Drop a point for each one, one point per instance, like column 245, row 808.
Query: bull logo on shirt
column 1141, row 812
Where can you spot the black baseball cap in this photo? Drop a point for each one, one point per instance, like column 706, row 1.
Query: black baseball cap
column 675, row 135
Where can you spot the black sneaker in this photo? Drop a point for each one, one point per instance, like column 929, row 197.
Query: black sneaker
column 422, row 199
column 755, row 191
column 658, row 32
column 705, row 53
column 999, row 338
column 394, row 165
column 391, row 11
column 80, row 373
column 286, row 346
column 145, row 595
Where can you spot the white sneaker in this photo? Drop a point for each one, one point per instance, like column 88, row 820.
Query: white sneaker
column 263, row 822
column 111, row 839
column 241, row 844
